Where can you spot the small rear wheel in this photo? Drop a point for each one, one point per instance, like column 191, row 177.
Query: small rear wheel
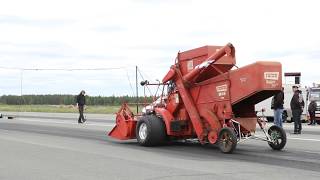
column 278, row 137
column 227, row 140
column 150, row 131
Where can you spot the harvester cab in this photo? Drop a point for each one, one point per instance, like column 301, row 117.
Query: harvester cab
column 207, row 100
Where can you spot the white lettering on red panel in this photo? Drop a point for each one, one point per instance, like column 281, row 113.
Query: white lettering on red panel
column 271, row 78
column 271, row 75
column 222, row 90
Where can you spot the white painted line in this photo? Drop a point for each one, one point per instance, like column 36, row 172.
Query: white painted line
column 94, row 124
column 305, row 139
column 63, row 122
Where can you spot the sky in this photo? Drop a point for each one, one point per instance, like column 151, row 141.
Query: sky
column 113, row 37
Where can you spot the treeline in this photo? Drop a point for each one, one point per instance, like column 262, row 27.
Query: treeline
column 68, row 99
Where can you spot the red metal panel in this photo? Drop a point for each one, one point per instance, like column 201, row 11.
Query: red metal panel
column 254, row 78
column 188, row 60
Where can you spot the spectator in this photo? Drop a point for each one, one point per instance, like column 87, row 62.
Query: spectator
column 81, row 102
column 312, row 111
column 277, row 107
column 296, row 108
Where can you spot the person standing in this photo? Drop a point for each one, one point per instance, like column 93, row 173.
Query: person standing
column 296, row 109
column 278, row 101
column 312, row 112
column 81, row 102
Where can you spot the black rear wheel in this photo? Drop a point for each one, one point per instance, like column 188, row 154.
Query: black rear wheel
column 150, row 131
column 227, row 140
column 278, row 137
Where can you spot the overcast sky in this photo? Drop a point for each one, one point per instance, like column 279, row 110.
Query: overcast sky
column 147, row 33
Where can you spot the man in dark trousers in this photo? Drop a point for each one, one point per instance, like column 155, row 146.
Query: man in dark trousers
column 81, row 102
column 312, row 111
column 296, row 109
column 278, row 108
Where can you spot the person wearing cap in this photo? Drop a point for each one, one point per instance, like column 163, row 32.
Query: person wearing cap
column 81, row 102
column 296, row 108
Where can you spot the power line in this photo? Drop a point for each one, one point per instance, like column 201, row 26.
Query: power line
column 61, row 69
column 144, row 79
column 125, row 68
column 129, row 82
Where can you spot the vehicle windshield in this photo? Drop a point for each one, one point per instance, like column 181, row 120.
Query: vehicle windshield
column 315, row 94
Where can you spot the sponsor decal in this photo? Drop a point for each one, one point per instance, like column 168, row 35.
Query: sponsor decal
column 222, row 90
column 270, row 81
column 271, row 75
column 190, row 65
column 243, row 79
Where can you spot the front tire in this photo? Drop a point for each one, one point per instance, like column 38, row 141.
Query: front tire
column 227, row 140
column 150, row 131
column 278, row 137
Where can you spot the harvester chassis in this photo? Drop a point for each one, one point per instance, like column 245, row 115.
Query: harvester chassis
column 208, row 100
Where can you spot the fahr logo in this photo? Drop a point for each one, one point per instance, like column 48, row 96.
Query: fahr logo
column 271, row 75
column 222, row 90
column 271, row 78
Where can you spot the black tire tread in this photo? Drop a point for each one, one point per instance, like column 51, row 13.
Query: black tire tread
column 156, row 131
column 283, row 139
column 233, row 136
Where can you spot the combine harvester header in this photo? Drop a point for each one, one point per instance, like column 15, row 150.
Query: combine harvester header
column 207, row 100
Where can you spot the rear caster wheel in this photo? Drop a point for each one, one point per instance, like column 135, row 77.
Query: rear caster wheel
column 227, row 140
column 278, row 137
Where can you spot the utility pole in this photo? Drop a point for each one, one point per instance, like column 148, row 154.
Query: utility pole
column 137, row 91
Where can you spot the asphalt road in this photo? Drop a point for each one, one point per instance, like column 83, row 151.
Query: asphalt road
column 58, row 148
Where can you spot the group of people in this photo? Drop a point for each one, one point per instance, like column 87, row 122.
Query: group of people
column 296, row 104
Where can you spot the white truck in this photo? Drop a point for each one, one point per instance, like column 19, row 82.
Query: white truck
column 313, row 93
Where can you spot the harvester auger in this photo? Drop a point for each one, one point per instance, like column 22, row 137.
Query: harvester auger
column 207, row 100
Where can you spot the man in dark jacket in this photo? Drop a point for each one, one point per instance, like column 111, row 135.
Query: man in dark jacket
column 81, row 102
column 296, row 109
column 278, row 100
column 312, row 111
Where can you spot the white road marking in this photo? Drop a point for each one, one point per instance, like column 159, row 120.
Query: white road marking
column 64, row 122
column 305, row 139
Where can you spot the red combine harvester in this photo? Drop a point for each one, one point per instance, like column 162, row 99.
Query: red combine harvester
column 207, row 100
